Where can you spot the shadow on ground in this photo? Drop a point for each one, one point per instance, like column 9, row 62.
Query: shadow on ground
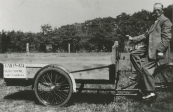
column 96, row 98
column 27, row 95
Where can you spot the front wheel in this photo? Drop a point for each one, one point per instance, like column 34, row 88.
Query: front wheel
column 53, row 87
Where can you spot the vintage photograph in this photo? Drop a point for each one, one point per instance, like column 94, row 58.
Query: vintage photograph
column 86, row 56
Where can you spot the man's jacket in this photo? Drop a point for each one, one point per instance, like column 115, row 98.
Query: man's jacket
column 157, row 38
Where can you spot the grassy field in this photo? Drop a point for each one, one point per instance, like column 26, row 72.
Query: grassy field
column 22, row 99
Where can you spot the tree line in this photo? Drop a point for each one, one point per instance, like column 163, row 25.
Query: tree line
column 93, row 35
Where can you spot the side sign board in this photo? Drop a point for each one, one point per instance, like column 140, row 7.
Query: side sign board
column 14, row 71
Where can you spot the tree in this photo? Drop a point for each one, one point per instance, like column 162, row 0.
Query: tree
column 168, row 12
column 47, row 33
column 5, row 40
column 97, row 34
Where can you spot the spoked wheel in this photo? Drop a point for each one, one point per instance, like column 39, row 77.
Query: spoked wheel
column 53, row 87
column 164, row 77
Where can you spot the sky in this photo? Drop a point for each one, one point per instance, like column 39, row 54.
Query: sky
column 29, row 15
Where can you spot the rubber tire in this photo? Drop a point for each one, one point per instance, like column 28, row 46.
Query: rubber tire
column 63, row 73
column 165, row 81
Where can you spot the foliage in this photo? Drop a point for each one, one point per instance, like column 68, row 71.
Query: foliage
column 93, row 35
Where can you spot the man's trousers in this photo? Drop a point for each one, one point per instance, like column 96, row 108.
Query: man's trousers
column 146, row 69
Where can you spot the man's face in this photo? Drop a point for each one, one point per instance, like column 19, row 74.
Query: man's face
column 158, row 10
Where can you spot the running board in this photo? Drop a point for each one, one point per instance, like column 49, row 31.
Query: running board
column 125, row 94
column 95, row 89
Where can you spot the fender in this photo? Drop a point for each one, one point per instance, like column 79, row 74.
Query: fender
column 62, row 68
column 71, row 77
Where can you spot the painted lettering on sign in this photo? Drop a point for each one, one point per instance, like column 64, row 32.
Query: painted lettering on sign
column 14, row 65
column 14, row 71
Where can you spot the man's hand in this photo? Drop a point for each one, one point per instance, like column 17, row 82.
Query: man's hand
column 130, row 38
column 130, row 41
column 160, row 55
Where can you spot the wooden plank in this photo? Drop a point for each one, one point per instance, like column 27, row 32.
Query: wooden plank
column 31, row 72
column 113, row 58
column 86, row 63
column 35, row 65
column 115, row 53
column 98, row 74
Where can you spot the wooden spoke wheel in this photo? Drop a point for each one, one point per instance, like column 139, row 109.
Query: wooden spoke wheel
column 53, row 87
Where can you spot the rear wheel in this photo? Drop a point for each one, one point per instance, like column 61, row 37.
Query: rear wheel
column 53, row 87
column 164, row 77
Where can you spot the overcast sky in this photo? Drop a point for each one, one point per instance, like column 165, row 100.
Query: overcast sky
column 29, row 15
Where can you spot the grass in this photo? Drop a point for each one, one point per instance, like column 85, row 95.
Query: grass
column 22, row 99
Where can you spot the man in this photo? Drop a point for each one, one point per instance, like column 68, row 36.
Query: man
column 156, row 41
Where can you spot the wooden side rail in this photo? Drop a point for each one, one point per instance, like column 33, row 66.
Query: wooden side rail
column 115, row 57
